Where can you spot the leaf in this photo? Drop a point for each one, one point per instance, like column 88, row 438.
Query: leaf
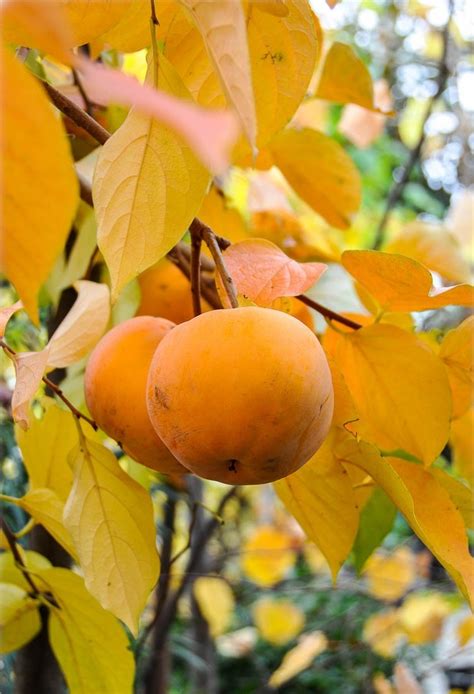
column 132, row 32
column 29, row 369
column 320, row 496
column 399, row 388
column 216, row 602
column 47, row 509
column 87, row 20
column 222, row 26
column 83, row 325
column 459, row 493
column 421, row 616
column 19, row 618
column 389, row 576
column 88, row 642
column 457, row 354
column 299, row 658
column 277, row 621
column 402, row 284
column 335, row 191
column 345, row 79
column 462, row 443
column 425, row 505
column 465, row 630
column 363, row 127
column 263, row 273
column 41, row 189
column 224, row 220
column 110, row 518
column 405, row 681
column 382, row 631
column 376, row 520
column 45, row 447
column 433, row 246
column 210, row 134
column 10, row 573
column 147, row 188
column 267, row 555
column 6, row 313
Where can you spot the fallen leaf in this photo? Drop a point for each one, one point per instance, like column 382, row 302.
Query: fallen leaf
column 389, row 576
column 267, row 555
column 277, row 621
column 383, row 633
column 216, row 602
column 299, row 658
column 421, row 616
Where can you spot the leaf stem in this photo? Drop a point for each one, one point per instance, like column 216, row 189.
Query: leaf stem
column 328, row 313
column 11, row 539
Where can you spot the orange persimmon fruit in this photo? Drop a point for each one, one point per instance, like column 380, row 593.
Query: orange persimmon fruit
column 115, row 384
column 242, row 396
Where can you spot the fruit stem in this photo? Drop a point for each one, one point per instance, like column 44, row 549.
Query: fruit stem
column 198, row 228
column 196, row 241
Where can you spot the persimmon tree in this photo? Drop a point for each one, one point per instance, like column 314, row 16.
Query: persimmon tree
column 113, row 185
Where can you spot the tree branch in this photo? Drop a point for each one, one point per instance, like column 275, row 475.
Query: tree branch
column 198, row 228
column 11, row 539
column 196, row 242
column 328, row 313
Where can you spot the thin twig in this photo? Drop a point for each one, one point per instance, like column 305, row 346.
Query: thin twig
column 82, row 92
column 328, row 313
column 196, row 241
column 178, row 257
column 11, row 539
column 198, row 228
column 399, row 186
column 179, row 554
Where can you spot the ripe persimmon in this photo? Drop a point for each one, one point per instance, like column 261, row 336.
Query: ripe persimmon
column 115, row 382
column 242, row 395
column 166, row 293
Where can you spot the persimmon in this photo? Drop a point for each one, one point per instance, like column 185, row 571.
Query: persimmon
column 115, row 383
column 166, row 293
column 242, row 395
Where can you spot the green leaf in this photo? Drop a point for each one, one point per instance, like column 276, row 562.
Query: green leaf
column 376, row 521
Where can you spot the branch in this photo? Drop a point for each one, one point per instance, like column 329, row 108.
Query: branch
column 399, row 186
column 328, row 313
column 196, row 241
column 198, row 228
column 11, row 539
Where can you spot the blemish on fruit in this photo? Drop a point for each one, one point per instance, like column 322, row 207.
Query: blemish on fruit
column 162, row 398
column 232, row 465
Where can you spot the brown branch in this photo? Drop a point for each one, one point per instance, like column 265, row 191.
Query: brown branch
column 10, row 537
column 198, row 228
column 178, row 256
column 398, row 188
column 328, row 313
column 87, row 102
column 196, row 241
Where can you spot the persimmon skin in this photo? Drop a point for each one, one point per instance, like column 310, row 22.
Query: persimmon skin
column 115, row 389
column 242, row 396
column 166, row 293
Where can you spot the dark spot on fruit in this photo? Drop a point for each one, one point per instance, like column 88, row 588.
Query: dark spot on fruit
column 232, row 465
column 161, row 398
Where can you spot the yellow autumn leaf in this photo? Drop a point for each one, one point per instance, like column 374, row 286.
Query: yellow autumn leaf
column 399, row 283
column 10, row 573
column 299, row 658
column 87, row 20
column 40, row 193
column 462, row 443
column 83, row 325
column 110, row 518
column 222, row 219
column 216, row 602
column 29, row 370
column 132, row 32
column 465, row 630
column 147, row 188
column 435, row 247
column 19, row 617
column 457, row 353
column 267, row 555
column 335, row 193
column 320, row 496
column 389, row 576
column 399, row 387
column 45, row 447
column 383, row 633
column 425, row 504
column 460, row 494
column 88, row 642
column 222, row 26
column 345, row 79
column 277, row 621
column 421, row 616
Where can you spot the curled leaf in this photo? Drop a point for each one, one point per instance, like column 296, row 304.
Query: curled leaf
column 29, row 368
column 6, row 313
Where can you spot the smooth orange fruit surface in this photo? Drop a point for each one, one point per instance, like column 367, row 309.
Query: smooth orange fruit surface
column 243, row 395
column 115, row 383
column 166, row 292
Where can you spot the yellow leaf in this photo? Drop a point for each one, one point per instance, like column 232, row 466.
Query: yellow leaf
column 383, row 633
column 110, row 518
column 83, row 325
column 216, row 602
column 222, row 26
column 147, row 188
column 425, row 505
column 402, row 284
column 10, row 573
column 345, row 79
column 335, row 193
column 277, row 621
column 221, row 218
column 362, row 127
column 320, row 496
column 41, row 191
column 47, row 509
column 299, row 658
column 87, row 20
column 433, row 246
column 132, row 32
column 457, row 354
column 399, row 387
column 460, row 493
column 19, row 618
column 267, row 555
column 29, row 369
column 389, row 576
column 462, row 442
column 421, row 616
column 6, row 313
column 45, row 447
column 88, row 642
column 465, row 630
